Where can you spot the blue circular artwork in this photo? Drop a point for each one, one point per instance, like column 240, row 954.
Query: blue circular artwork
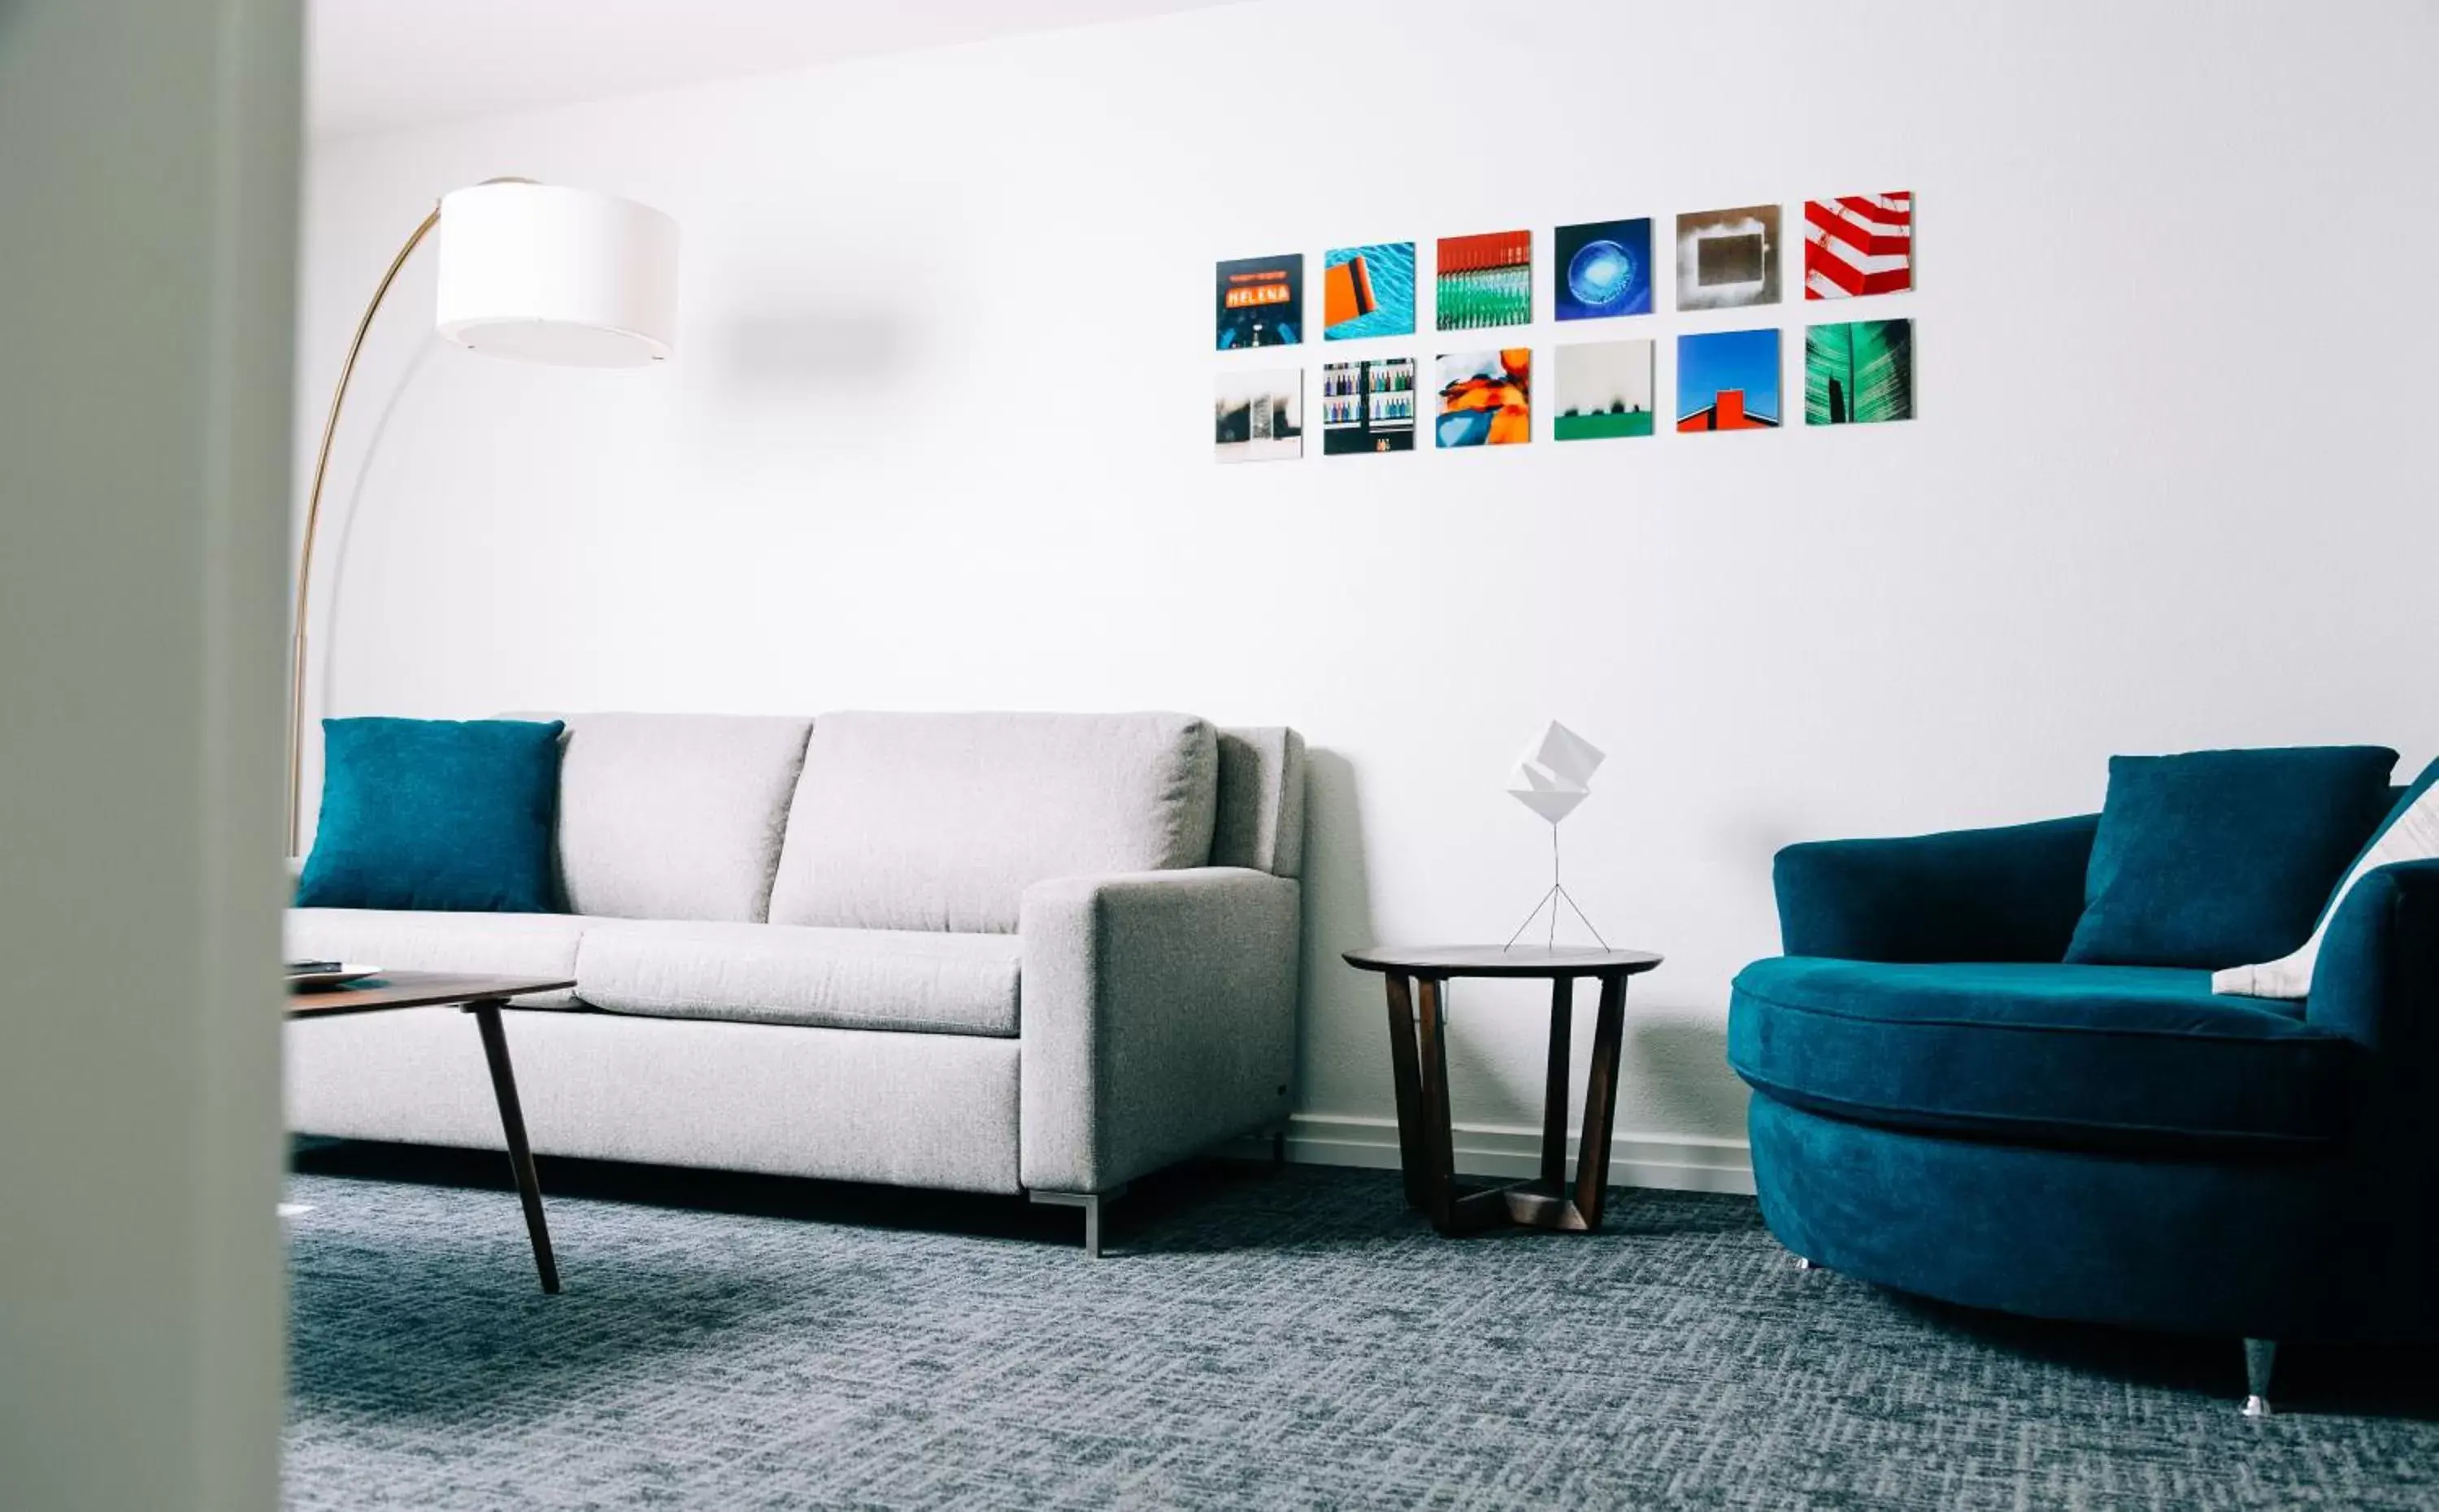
column 1600, row 273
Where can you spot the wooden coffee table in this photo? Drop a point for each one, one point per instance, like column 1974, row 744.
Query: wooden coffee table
column 483, row 997
column 1425, row 1142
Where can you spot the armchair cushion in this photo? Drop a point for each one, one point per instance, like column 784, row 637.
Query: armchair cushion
column 2215, row 858
column 2121, row 1056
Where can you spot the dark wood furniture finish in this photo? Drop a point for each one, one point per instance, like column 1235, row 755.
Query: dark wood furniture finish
column 1418, row 1061
column 483, row 997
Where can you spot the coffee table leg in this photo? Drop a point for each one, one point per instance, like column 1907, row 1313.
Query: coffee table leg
column 1405, row 1074
column 1600, row 1103
column 513, row 1123
column 1439, row 1153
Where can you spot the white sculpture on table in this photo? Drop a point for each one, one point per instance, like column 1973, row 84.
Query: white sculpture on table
column 1551, row 778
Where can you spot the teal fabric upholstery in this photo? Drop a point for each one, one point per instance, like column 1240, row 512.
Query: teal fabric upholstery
column 2105, row 1143
column 1975, row 895
column 437, row 814
column 2217, row 857
column 2400, row 799
column 2243, row 1249
column 2126, row 1055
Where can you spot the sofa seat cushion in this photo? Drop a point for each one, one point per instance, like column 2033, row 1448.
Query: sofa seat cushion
column 827, row 978
column 2115, row 1055
column 414, row 940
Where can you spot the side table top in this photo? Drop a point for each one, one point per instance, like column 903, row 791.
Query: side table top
column 1490, row 960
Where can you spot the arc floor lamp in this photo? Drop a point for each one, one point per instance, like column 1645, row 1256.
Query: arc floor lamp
column 538, row 273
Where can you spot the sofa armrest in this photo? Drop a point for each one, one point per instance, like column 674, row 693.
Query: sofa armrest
column 1157, row 1015
column 2010, row 894
column 2376, row 978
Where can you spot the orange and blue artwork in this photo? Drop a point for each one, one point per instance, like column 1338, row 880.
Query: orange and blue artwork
column 1368, row 291
column 1486, row 397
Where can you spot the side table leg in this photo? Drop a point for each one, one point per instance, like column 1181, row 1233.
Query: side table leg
column 1439, row 1154
column 1407, row 1076
column 1554, row 1096
column 513, row 1123
column 1600, row 1103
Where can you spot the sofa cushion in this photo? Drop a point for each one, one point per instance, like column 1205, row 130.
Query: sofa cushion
column 435, row 814
column 410, row 941
column 827, row 978
column 941, row 821
column 2215, row 857
column 675, row 815
column 2082, row 1054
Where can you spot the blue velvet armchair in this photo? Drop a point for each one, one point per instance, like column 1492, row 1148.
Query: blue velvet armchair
column 1942, row 1107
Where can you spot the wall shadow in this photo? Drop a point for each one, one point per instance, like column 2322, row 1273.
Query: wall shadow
column 1682, row 1080
column 1337, row 898
column 809, row 350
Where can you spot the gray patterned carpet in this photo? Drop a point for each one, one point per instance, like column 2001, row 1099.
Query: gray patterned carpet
column 1288, row 1338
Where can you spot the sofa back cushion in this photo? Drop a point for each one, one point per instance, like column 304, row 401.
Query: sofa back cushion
column 675, row 815
column 941, row 821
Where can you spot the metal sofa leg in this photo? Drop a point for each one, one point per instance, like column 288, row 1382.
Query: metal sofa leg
column 1091, row 1203
column 2260, row 1356
column 1803, row 1264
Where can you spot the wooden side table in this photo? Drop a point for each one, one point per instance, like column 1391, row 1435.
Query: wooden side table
column 1420, row 1065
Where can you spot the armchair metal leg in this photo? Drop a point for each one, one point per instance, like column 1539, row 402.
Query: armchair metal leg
column 2260, row 1356
column 1091, row 1203
column 1802, row 1263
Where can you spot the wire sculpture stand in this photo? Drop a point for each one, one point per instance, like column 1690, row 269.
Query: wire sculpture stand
column 1551, row 899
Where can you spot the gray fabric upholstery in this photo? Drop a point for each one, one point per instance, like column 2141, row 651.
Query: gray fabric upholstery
column 777, row 973
column 1260, row 822
column 405, row 940
column 1159, row 1018
column 941, row 821
column 674, row 816
column 998, row 956
column 861, row 1105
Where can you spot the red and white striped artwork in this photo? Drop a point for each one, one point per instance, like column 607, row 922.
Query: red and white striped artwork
column 1858, row 244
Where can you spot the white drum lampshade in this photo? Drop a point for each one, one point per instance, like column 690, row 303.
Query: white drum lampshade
column 545, row 274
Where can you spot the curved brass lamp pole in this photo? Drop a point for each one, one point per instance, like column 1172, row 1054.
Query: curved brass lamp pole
column 313, row 521
column 532, row 272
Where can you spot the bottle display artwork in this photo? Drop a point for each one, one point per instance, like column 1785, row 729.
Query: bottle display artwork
column 1484, row 280
column 1367, row 406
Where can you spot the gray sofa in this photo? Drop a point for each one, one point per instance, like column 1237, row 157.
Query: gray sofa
column 990, row 952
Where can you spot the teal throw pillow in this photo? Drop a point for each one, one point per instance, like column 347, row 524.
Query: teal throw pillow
column 435, row 814
column 2215, row 857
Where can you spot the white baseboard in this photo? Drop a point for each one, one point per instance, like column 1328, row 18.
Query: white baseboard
column 1672, row 1163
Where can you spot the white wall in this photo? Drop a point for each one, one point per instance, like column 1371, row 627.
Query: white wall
column 937, row 437
column 147, row 166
